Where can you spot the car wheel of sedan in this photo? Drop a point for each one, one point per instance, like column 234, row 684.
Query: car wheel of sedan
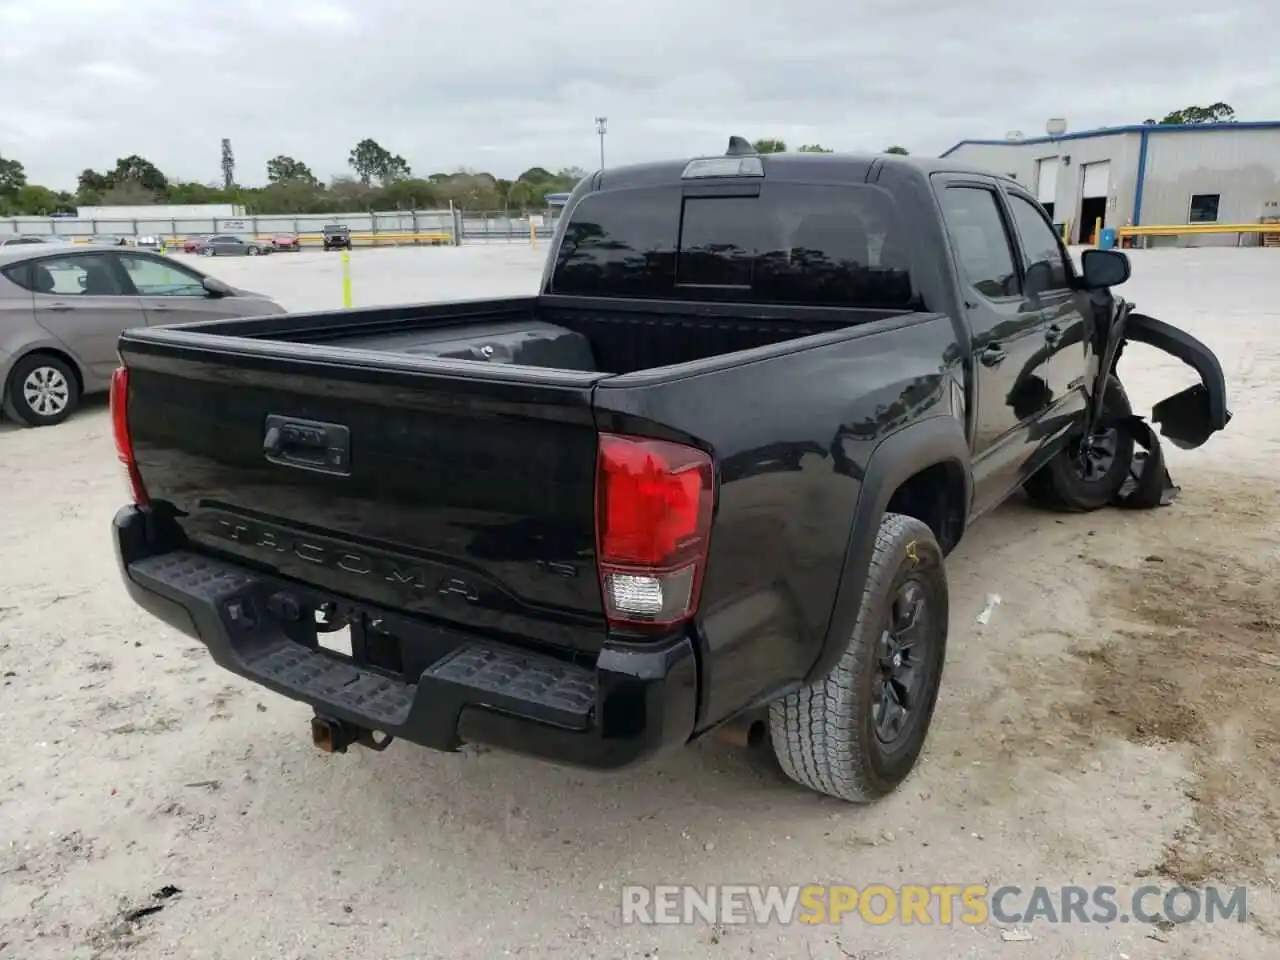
column 254, row 251
column 856, row 733
column 42, row 390
column 207, row 251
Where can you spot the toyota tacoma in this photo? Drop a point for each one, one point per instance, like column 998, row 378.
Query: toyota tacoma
column 706, row 479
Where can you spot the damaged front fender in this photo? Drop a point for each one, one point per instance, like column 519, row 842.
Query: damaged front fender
column 1188, row 418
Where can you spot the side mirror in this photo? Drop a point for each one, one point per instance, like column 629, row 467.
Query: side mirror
column 1104, row 268
column 216, row 288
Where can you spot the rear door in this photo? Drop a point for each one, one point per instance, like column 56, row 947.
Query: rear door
column 1008, row 333
column 83, row 300
column 172, row 293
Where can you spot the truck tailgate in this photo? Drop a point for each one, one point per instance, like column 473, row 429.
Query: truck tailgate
column 459, row 491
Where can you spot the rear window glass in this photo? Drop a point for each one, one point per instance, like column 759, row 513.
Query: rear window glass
column 797, row 244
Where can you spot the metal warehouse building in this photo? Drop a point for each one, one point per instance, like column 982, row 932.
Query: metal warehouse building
column 1148, row 175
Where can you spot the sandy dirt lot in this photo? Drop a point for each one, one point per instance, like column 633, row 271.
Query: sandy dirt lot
column 1116, row 722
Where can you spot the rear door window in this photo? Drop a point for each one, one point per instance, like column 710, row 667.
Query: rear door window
column 76, row 275
column 801, row 244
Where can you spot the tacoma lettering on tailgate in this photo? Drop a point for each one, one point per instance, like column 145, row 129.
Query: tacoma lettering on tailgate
column 326, row 553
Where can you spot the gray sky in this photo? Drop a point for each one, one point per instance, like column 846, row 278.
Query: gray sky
column 502, row 85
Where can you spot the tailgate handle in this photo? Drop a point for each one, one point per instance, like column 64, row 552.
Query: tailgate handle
column 308, row 445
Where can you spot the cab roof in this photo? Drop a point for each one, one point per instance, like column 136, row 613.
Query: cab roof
column 814, row 167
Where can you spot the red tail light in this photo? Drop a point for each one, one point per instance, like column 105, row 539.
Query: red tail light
column 124, row 443
column 654, row 501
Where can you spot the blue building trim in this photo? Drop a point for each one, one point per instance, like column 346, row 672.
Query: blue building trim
column 1142, row 128
column 1142, row 176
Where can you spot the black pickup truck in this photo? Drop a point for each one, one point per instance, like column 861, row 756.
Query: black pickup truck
column 336, row 236
column 705, row 479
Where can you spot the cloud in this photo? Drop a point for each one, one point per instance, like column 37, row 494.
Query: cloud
column 506, row 84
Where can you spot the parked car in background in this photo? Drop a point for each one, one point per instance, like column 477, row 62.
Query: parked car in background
column 63, row 307
column 286, row 241
column 149, row 242
column 108, row 240
column 337, row 236
column 28, row 239
column 228, row 246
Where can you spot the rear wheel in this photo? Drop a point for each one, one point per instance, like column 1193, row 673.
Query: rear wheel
column 207, row 251
column 1088, row 472
column 856, row 733
column 42, row 391
column 255, row 251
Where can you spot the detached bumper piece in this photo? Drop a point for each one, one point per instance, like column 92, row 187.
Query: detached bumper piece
column 635, row 702
column 1148, row 484
column 1188, row 418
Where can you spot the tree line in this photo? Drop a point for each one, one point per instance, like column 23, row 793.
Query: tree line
column 1213, row 113
column 378, row 180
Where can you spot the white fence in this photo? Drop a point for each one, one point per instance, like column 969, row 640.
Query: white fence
column 454, row 226
column 412, row 221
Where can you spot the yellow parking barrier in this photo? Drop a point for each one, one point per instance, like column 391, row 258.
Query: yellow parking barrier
column 1177, row 229
column 1126, row 235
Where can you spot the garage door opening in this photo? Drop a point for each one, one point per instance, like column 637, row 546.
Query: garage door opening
column 1047, row 183
column 1094, row 187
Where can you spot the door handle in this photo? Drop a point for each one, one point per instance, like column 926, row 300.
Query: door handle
column 160, row 308
column 1053, row 336
column 993, row 356
column 61, row 307
column 308, row 444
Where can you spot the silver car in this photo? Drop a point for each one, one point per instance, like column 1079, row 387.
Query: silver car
column 29, row 239
column 228, row 246
column 62, row 310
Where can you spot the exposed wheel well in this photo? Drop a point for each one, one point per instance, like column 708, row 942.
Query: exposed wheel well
column 935, row 496
column 51, row 352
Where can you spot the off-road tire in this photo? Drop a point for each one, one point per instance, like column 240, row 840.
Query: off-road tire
column 824, row 734
column 15, row 405
column 1059, row 485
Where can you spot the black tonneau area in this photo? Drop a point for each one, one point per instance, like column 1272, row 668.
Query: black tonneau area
column 624, row 336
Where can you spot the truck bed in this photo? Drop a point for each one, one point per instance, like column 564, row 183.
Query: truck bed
column 623, row 336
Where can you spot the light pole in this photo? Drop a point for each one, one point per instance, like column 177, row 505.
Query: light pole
column 602, row 127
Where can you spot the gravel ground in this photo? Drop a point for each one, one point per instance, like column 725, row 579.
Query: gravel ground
column 1115, row 722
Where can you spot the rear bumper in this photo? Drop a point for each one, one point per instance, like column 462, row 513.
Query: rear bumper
column 637, row 701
